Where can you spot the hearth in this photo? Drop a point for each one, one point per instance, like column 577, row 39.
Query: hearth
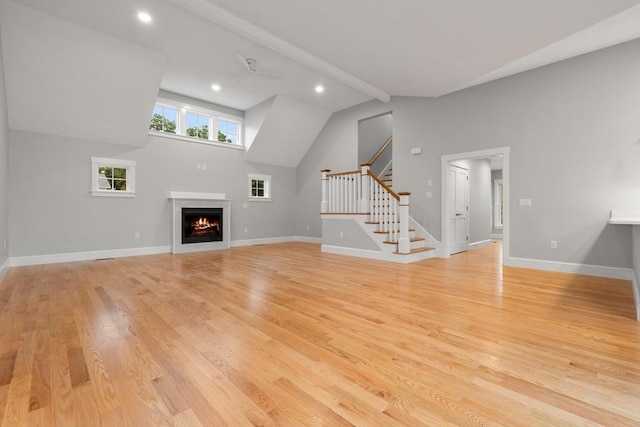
column 202, row 225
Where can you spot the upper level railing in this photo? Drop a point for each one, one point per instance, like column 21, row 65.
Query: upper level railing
column 382, row 156
column 362, row 192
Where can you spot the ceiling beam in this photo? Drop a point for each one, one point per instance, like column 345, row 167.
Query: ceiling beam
column 244, row 28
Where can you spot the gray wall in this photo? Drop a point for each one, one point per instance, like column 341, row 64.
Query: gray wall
column 51, row 209
column 4, row 167
column 479, row 200
column 335, row 148
column 636, row 266
column 573, row 128
column 495, row 174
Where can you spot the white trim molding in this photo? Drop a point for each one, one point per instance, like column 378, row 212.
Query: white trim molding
column 86, row 256
column 4, row 268
column 479, row 244
column 569, row 267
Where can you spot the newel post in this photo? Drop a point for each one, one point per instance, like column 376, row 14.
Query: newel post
column 324, row 205
column 365, row 182
column 404, row 244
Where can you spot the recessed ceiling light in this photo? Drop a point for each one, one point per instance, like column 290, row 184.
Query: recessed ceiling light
column 144, row 17
column 319, row 89
column 215, row 87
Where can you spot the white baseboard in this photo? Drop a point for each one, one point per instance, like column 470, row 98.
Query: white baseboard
column 481, row 243
column 306, row 239
column 86, row 256
column 568, row 267
column 378, row 255
column 270, row 240
column 4, row 268
column 119, row 253
column 635, row 285
column 496, row 235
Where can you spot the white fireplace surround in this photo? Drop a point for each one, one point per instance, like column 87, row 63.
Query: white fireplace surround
column 181, row 199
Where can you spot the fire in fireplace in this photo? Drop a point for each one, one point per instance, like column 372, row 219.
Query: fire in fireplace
column 201, row 225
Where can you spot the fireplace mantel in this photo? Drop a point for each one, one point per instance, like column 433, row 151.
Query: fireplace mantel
column 196, row 196
column 183, row 199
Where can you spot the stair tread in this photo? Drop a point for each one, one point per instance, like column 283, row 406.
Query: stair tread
column 387, row 232
column 412, row 239
column 416, row 250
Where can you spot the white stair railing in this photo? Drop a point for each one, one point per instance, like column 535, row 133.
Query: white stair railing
column 363, row 192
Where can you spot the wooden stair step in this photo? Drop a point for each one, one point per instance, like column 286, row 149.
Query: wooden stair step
column 416, row 250
column 412, row 239
column 387, row 232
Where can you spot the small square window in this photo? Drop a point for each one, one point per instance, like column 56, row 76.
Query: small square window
column 112, row 177
column 259, row 187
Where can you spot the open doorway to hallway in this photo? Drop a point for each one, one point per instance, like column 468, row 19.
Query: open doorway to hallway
column 473, row 219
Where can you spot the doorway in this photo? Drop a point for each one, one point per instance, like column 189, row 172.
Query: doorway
column 458, row 208
column 450, row 228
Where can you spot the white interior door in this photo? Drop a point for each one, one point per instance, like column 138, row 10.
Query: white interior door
column 458, row 209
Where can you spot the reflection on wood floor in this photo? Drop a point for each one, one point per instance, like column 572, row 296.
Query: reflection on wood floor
column 285, row 335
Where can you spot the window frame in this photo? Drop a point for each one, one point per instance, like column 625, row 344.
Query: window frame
column 266, row 179
column 213, row 117
column 129, row 165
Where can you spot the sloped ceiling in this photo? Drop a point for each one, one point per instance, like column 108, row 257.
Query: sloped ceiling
column 65, row 79
column 286, row 128
column 88, row 69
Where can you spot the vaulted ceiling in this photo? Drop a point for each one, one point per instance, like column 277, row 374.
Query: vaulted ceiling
column 90, row 69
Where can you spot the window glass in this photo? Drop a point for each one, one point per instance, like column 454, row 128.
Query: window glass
column 197, row 125
column 228, row 131
column 164, row 119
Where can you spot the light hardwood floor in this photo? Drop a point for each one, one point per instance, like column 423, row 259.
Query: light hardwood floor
column 284, row 335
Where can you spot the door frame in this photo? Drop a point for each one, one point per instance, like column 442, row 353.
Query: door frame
column 471, row 155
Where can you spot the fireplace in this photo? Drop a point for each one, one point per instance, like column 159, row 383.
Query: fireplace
column 201, row 225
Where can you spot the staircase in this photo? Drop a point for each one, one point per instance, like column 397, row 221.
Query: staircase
column 363, row 216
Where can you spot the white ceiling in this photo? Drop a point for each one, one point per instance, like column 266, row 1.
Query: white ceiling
column 378, row 47
column 70, row 53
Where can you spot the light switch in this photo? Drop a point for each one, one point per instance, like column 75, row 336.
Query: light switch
column 525, row 203
column 429, row 194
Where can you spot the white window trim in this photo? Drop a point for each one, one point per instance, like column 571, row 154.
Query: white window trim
column 181, row 125
column 496, row 205
column 267, row 188
column 130, row 165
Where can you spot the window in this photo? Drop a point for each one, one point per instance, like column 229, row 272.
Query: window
column 259, row 187
column 197, row 125
column 164, row 119
column 228, row 131
column 498, row 210
column 112, row 177
column 171, row 119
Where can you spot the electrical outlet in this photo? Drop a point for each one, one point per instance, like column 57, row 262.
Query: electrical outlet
column 554, row 244
column 246, row 230
column 199, row 166
column 204, row 166
column 307, row 228
column 429, row 194
column 5, row 244
column 341, row 234
column 136, row 235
